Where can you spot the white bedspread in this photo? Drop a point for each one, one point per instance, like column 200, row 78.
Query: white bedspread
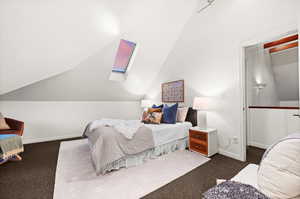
column 127, row 127
column 162, row 133
column 108, row 145
column 166, row 133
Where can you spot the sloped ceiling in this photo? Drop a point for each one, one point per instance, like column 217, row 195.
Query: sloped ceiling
column 86, row 82
column 40, row 39
column 53, row 50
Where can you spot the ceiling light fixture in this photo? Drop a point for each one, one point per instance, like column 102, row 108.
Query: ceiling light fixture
column 206, row 5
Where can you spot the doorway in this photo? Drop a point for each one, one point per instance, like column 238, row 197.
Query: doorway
column 271, row 90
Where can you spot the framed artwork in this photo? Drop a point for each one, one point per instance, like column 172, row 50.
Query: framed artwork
column 124, row 55
column 173, row 91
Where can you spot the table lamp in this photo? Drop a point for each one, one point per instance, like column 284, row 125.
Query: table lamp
column 145, row 104
column 201, row 104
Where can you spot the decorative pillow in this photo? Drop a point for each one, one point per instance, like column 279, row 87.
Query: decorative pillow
column 157, row 106
column 151, row 110
column 3, row 124
column 145, row 114
column 169, row 114
column 233, row 190
column 279, row 170
column 152, row 117
column 181, row 114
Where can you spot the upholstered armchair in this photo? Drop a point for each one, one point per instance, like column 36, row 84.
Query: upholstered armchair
column 16, row 127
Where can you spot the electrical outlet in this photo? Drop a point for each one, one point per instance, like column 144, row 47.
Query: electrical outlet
column 235, row 140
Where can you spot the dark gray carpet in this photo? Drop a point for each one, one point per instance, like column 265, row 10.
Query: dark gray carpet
column 33, row 178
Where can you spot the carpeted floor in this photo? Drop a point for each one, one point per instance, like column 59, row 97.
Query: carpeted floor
column 33, row 178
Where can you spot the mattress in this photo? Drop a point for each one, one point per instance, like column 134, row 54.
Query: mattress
column 166, row 133
column 248, row 175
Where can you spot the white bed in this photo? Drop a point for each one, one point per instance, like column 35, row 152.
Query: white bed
column 167, row 138
column 124, row 143
column 166, row 133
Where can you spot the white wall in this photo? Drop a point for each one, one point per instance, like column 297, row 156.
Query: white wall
column 46, row 121
column 267, row 126
column 289, row 103
column 208, row 57
column 259, row 70
column 285, row 66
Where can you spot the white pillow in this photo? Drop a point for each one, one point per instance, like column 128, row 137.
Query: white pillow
column 181, row 114
column 279, row 171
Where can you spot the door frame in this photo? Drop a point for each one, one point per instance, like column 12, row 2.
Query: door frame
column 263, row 37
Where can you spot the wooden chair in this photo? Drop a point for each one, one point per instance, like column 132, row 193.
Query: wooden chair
column 16, row 127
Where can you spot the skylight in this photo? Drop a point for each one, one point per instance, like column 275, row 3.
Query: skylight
column 124, row 55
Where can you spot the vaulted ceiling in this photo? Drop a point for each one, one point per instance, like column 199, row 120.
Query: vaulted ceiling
column 69, row 45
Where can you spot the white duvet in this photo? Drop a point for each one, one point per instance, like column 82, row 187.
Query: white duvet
column 165, row 133
column 127, row 127
column 108, row 144
column 162, row 133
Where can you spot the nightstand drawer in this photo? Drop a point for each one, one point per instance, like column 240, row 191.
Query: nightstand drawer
column 198, row 135
column 198, row 147
column 204, row 141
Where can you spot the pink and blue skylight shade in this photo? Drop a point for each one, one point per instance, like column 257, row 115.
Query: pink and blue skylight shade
column 124, row 54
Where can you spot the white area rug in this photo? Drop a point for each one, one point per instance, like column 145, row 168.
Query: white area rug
column 76, row 179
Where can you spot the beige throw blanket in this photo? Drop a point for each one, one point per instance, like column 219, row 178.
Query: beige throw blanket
column 10, row 145
column 109, row 145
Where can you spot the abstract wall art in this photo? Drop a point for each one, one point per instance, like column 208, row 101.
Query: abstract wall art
column 173, row 91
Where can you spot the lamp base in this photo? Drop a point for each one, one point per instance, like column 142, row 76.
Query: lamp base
column 201, row 119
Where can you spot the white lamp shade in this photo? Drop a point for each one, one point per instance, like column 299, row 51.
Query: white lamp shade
column 145, row 103
column 201, row 103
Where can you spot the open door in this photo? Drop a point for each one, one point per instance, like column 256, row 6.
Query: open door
column 285, row 58
column 272, row 90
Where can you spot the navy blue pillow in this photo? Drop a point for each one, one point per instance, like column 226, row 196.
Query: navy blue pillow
column 157, row 106
column 169, row 114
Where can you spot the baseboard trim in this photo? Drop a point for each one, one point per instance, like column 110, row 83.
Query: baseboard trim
column 47, row 139
column 230, row 154
column 259, row 145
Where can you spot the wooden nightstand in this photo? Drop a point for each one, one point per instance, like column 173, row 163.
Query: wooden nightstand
column 204, row 141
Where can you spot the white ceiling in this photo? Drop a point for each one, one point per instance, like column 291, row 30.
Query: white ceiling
column 41, row 39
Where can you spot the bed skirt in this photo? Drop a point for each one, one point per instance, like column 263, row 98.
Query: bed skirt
column 140, row 158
